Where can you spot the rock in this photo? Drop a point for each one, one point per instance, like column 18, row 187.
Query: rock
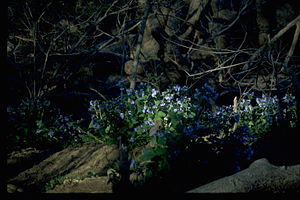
column 129, row 68
column 23, row 159
column 69, row 162
column 261, row 176
column 13, row 189
column 88, row 185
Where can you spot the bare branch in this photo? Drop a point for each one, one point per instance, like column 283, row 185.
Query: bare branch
column 91, row 28
column 241, row 11
column 276, row 37
column 101, row 95
column 293, row 46
column 217, row 69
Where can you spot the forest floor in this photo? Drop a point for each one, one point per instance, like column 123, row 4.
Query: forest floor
column 83, row 169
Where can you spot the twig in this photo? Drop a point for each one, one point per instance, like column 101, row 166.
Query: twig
column 98, row 93
column 276, row 37
column 92, row 27
column 220, row 32
column 44, row 68
column 295, row 40
column 217, row 69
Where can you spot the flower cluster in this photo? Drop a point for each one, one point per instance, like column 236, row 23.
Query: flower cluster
column 173, row 121
column 62, row 130
column 206, row 94
column 261, row 114
column 35, row 122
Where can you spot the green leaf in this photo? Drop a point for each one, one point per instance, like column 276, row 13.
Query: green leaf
column 192, row 115
column 148, row 154
column 132, row 123
column 159, row 115
column 251, row 123
column 108, row 128
column 156, row 103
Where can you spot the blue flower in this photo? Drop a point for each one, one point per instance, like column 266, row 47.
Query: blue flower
column 168, row 99
column 96, row 126
column 39, row 123
column 160, row 134
column 144, row 110
column 132, row 164
column 188, row 130
column 199, row 126
column 149, row 122
column 154, row 133
column 51, row 133
column 154, row 92
column 132, row 139
column 38, row 131
column 177, row 88
column 92, row 103
column 128, row 92
column 248, row 108
column 162, row 104
column 149, row 111
column 236, row 117
column 193, row 136
column 122, row 115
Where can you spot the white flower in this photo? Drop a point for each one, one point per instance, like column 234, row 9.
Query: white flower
column 51, row 133
column 162, row 104
column 154, row 92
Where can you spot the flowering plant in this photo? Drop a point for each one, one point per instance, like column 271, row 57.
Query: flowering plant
column 261, row 114
column 170, row 123
column 127, row 116
column 35, row 122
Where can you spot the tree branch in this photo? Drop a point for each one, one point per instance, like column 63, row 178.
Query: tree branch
column 293, row 46
column 276, row 37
